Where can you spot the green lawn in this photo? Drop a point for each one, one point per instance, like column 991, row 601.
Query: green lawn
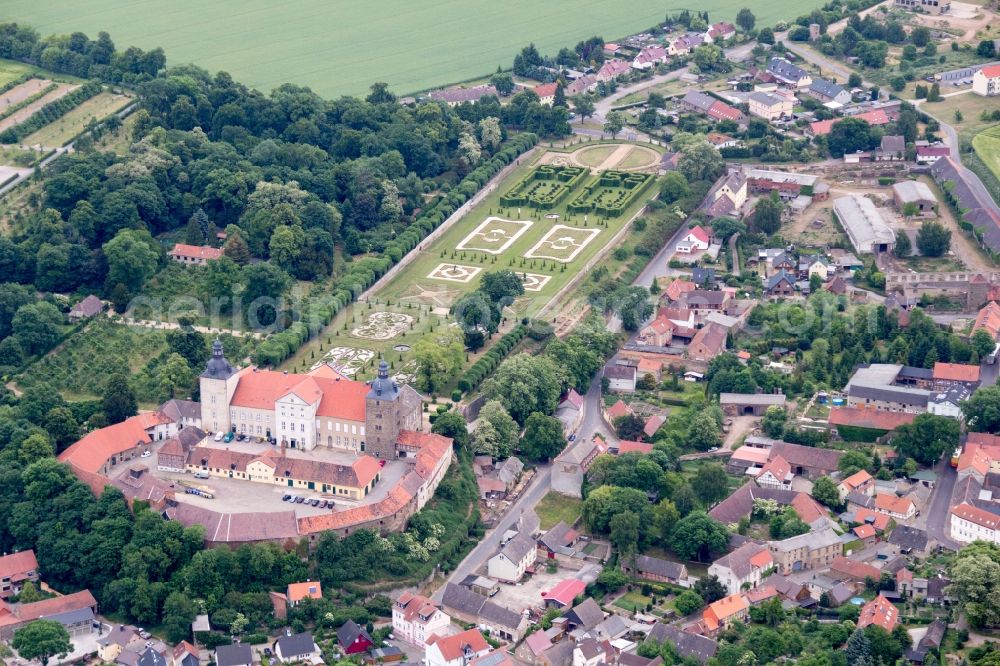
column 633, row 601
column 341, row 48
column 555, row 507
column 10, row 70
column 987, row 145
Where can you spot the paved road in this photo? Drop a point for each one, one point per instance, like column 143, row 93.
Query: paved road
column 937, row 512
column 490, row 543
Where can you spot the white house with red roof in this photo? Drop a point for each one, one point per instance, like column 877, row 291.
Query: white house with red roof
column 718, row 32
column 860, row 482
column 612, row 69
column 970, row 523
column 197, row 255
column 415, row 618
column 546, row 93
column 457, row 650
column 17, row 569
column 695, row 240
column 650, row 57
column 986, row 81
column 880, row 612
column 777, row 473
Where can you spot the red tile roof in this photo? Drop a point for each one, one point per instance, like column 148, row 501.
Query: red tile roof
column 95, row 448
column 879, row 521
column 976, row 515
column 18, row 564
column 992, row 71
column 808, row 509
column 722, row 111
column 55, row 606
column 879, row 611
column 868, row 418
column 719, row 611
column 699, row 233
column 338, row 398
column 196, row 251
column 876, row 117
column 453, row 647
column 565, row 591
column 545, row 90
column 299, row 591
column 989, row 319
column 856, row 480
column 853, row 568
column 893, row 504
column 956, row 372
column 618, row 409
column 865, row 531
column 634, row 447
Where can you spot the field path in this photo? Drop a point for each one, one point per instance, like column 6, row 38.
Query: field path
column 615, row 158
column 30, row 110
column 18, row 94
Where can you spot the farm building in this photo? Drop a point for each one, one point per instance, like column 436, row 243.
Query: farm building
column 865, row 226
column 750, row 403
column 915, row 192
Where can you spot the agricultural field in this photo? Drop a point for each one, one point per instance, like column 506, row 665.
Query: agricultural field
column 340, row 49
column 546, row 247
column 73, row 123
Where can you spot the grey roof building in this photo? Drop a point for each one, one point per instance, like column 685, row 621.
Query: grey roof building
column 294, row 647
column 865, row 226
column 786, row 72
column 233, row 655
column 687, row 645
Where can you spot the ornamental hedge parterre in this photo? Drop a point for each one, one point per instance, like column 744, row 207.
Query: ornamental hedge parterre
column 319, row 310
column 611, row 193
column 544, row 187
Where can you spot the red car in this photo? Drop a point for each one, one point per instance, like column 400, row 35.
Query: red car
column 381, row 463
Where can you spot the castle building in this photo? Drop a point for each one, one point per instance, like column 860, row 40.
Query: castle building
column 303, row 411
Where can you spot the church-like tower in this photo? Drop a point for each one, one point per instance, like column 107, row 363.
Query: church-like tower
column 382, row 415
column 218, row 383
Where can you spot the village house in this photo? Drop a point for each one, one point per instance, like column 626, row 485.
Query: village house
column 812, row 550
column 295, row 593
column 743, row 568
column 789, row 74
column 695, row 240
column 556, row 541
column 194, row 255
column 570, row 466
column 655, row 569
column 301, row 647
column 238, row 654
column 76, row 612
column 780, row 285
column 900, row 508
column 649, row 57
column 621, row 378
column 353, row 639
column 931, row 154
column 546, row 93
column 718, row 32
column 828, row 92
column 707, row 343
column 724, row 612
column 687, row 644
column 860, row 482
column 891, row 149
column 416, row 618
column 770, row 106
column 657, row 333
column 472, row 608
column 457, row 650
column 880, row 612
column 684, row 44
column 728, row 197
column 988, row 319
column 456, row 96
column 612, row 69
column 91, row 306
column 17, row 569
column 510, row 564
column 776, row 473
column 986, row 81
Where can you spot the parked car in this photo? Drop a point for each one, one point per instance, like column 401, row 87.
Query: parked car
column 286, row 497
column 229, row 437
column 267, row 652
column 218, row 436
column 381, row 463
column 330, row 505
column 201, row 474
column 146, row 453
column 300, row 500
column 314, row 502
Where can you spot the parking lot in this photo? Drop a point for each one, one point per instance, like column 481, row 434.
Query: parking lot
column 242, row 496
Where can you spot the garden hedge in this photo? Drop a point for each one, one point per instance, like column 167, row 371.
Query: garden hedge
column 489, row 361
column 51, row 112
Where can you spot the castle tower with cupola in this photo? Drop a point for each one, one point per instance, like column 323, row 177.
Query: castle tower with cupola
column 383, row 409
column 218, row 384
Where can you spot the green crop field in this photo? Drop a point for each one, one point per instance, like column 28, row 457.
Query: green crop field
column 341, row 48
column 987, row 145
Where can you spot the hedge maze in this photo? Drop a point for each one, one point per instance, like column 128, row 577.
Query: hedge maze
column 545, row 187
column 611, row 193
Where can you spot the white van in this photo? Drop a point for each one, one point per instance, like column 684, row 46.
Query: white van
column 201, row 474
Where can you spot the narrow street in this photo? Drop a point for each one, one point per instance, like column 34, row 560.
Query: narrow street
column 940, row 504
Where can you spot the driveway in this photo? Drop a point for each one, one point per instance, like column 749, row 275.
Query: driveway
column 937, row 513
